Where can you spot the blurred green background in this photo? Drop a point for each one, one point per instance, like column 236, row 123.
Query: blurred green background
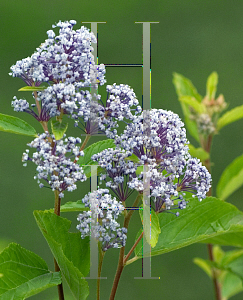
column 193, row 38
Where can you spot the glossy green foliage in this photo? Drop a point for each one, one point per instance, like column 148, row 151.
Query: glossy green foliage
column 95, row 148
column 231, row 179
column 184, row 87
column 211, row 87
column 230, row 116
column 32, row 88
column 15, row 125
column 199, row 153
column 152, row 233
column 24, row 274
column 70, row 251
column 58, row 128
column 199, row 221
column 229, row 269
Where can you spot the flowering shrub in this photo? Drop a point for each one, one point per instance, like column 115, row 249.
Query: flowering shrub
column 152, row 157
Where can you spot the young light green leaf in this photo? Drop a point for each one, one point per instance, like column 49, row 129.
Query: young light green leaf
column 204, row 265
column 152, row 233
column 58, row 129
column 231, row 179
column 139, row 170
column 94, row 149
column 231, row 116
column 231, row 285
column 87, row 169
column 73, row 206
column 231, row 256
column 184, row 87
column 191, row 101
column 212, row 83
column 32, row 88
column 24, row 274
column 16, row 125
column 235, row 266
column 191, row 125
column 133, row 158
column 70, row 251
column 86, row 161
column 198, row 152
column 232, row 263
column 199, row 221
column 218, row 254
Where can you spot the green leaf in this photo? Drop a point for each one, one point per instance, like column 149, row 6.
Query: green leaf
column 191, row 101
column 184, row 87
column 199, row 221
column 155, row 228
column 32, row 88
column 198, row 152
column 230, row 281
column 234, row 239
column 231, row 256
column 94, row 149
column 133, row 158
column 73, row 206
column 191, row 125
column 229, row 269
column 231, row 116
column 231, row 179
column 58, row 129
column 218, row 254
column 231, row 285
column 86, row 161
column 16, row 125
column 139, row 170
column 212, row 83
column 236, row 265
column 232, row 263
column 87, row 171
column 204, row 265
column 24, row 274
column 70, row 251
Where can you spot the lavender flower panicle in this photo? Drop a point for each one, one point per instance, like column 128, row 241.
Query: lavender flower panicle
column 61, row 58
column 66, row 64
column 163, row 146
column 120, row 100
column 119, row 171
column 107, row 230
column 53, row 166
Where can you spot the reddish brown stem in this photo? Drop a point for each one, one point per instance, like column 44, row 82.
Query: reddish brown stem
column 59, row 287
column 217, row 287
column 57, row 268
column 132, row 249
column 37, row 103
column 216, row 283
column 121, row 264
column 83, row 145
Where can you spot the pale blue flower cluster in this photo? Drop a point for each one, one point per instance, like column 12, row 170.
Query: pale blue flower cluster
column 66, row 64
column 162, row 145
column 120, row 100
column 53, row 166
column 106, row 229
column 65, row 58
column 119, row 171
